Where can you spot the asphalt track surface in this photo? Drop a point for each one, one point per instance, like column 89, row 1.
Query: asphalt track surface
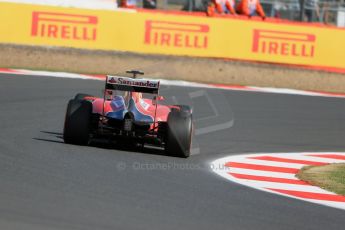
column 46, row 184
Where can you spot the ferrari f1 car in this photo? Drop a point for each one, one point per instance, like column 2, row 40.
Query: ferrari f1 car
column 130, row 112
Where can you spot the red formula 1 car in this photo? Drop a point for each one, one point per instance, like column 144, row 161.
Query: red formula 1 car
column 129, row 112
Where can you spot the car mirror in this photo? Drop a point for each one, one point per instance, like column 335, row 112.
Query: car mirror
column 158, row 98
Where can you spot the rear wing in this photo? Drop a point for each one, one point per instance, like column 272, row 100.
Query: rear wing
column 132, row 85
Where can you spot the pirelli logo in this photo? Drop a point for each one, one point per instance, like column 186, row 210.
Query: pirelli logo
column 64, row 26
column 284, row 43
column 177, row 35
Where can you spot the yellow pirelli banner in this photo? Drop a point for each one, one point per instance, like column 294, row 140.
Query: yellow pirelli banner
column 158, row 33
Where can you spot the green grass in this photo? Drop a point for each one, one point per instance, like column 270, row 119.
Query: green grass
column 338, row 177
column 330, row 177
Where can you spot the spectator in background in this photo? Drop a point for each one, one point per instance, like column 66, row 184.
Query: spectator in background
column 128, row 3
column 325, row 13
column 312, row 6
column 150, row 4
column 249, row 7
column 277, row 7
column 221, row 7
column 225, row 6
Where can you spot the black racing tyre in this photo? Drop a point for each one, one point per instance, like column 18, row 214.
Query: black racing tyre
column 179, row 133
column 77, row 122
column 81, row 96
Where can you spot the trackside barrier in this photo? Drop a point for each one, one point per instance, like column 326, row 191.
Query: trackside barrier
column 158, row 33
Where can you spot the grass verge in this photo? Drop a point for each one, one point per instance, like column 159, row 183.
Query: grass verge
column 330, row 177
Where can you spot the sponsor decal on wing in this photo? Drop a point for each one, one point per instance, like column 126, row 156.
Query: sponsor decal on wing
column 133, row 82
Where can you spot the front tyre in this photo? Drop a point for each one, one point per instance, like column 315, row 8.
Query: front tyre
column 179, row 133
column 77, row 122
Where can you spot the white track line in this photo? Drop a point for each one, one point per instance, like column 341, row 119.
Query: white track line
column 260, row 173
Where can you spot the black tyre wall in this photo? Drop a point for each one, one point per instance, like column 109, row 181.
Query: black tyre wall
column 179, row 133
column 77, row 122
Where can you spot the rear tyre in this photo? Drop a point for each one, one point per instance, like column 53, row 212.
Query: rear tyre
column 81, row 96
column 77, row 122
column 179, row 133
